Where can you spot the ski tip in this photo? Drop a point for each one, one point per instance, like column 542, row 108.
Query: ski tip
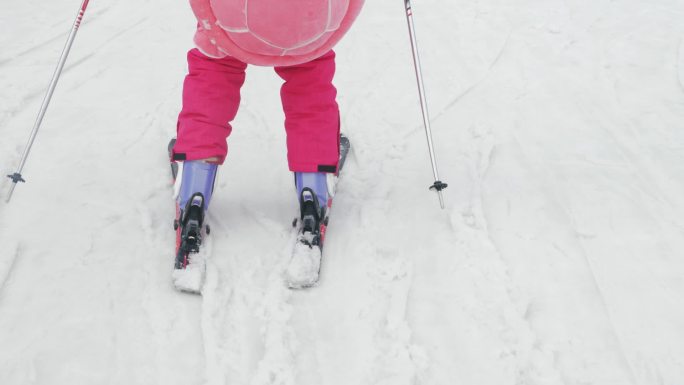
column 172, row 143
column 344, row 142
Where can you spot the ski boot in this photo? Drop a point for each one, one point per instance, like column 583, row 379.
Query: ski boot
column 189, row 228
column 313, row 219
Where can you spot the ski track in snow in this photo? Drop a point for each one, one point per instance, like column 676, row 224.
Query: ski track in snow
column 7, row 264
column 64, row 27
column 557, row 261
column 38, row 93
column 680, row 63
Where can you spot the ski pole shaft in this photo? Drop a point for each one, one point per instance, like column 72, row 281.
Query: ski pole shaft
column 438, row 185
column 17, row 177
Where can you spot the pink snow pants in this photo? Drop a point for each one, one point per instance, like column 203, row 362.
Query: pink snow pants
column 211, row 97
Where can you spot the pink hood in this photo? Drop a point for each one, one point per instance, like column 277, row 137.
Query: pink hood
column 272, row 32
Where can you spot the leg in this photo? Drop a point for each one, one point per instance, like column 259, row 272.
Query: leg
column 311, row 115
column 211, row 97
column 313, row 130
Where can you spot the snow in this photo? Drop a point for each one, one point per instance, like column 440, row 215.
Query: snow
column 191, row 279
column 303, row 269
column 559, row 126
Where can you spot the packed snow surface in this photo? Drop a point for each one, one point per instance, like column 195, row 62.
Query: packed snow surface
column 559, row 126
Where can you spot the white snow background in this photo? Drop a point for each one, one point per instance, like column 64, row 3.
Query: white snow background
column 559, row 125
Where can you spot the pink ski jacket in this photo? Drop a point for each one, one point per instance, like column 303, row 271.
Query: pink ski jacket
column 272, row 32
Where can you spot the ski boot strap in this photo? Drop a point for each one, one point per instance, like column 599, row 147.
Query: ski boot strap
column 311, row 212
column 192, row 220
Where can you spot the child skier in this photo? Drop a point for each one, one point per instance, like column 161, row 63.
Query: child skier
column 295, row 37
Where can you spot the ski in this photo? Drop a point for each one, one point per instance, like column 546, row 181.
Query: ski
column 303, row 270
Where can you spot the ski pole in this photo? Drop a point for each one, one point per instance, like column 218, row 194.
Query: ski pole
column 16, row 177
column 438, row 185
